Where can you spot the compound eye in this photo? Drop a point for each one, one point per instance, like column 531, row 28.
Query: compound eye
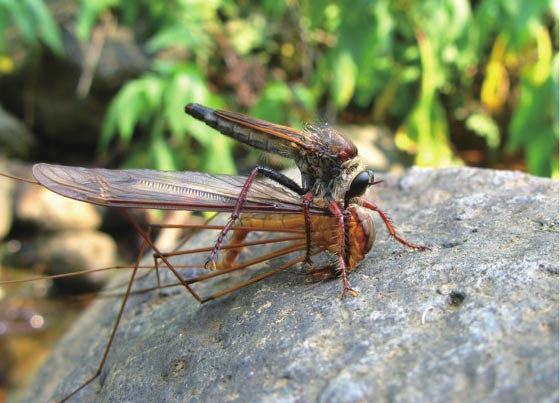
column 359, row 184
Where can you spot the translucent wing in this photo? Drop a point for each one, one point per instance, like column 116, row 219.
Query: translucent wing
column 144, row 188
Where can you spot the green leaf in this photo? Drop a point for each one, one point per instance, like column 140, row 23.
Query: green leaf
column 185, row 85
column 89, row 14
column 486, row 127
column 126, row 111
column 178, row 35
column 46, row 25
column 163, row 155
column 23, row 22
column 344, row 78
column 218, row 157
column 276, row 104
column 534, row 125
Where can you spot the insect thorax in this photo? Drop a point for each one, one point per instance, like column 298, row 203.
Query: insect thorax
column 322, row 174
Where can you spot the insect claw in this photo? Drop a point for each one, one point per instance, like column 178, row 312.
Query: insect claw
column 210, row 264
column 349, row 290
column 327, row 272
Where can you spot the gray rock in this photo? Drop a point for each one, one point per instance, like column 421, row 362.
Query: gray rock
column 73, row 251
column 15, row 139
column 475, row 319
column 7, row 188
column 50, row 211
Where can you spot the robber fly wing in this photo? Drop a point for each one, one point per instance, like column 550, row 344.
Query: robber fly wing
column 183, row 190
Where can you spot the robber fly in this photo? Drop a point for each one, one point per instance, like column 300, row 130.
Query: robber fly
column 326, row 213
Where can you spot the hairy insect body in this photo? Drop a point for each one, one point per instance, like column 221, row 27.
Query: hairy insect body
column 326, row 158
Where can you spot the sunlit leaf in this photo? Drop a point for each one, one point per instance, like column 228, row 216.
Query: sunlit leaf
column 247, row 35
column 486, row 127
column 151, row 88
column 304, row 96
column 344, row 78
column 163, row 155
column 125, row 112
column 47, row 26
column 218, row 158
column 88, row 15
column 274, row 103
column 186, row 85
column 534, row 125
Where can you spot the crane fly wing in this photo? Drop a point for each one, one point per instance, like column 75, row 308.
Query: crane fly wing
column 144, row 188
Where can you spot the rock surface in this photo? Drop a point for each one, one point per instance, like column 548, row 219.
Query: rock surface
column 50, row 211
column 15, row 139
column 7, row 188
column 475, row 319
column 71, row 251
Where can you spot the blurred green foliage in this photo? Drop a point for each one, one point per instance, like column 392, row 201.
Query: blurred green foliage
column 447, row 76
column 32, row 21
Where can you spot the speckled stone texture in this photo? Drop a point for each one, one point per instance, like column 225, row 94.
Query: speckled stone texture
column 475, row 319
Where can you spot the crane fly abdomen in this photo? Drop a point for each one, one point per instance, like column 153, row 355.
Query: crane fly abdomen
column 324, row 233
column 361, row 234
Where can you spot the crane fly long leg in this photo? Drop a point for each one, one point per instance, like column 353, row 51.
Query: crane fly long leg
column 72, row 274
column 259, row 277
column 218, row 273
column 231, row 246
column 255, row 279
column 292, row 235
column 146, row 238
column 145, row 243
column 284, row 231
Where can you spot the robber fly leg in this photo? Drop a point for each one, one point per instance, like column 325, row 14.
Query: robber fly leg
column 342, row 252
column 269, row 173
column 371, row 206
column 307, row 200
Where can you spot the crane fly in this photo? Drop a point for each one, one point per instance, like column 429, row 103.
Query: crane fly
column 324, row 223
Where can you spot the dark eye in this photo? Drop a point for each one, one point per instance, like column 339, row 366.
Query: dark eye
column 359, row 184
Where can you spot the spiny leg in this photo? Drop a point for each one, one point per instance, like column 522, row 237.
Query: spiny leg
column 164, row 259
column 392, row 232
column 341, row 253
column 307, row 200
column 269, row 173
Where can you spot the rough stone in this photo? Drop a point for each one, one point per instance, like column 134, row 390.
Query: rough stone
column 75, row 251
column 474, row 319
column 50, row 211
column 7, row 188
column 15, row 139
